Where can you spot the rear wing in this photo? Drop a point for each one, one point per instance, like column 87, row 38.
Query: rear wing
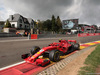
column 72, row 41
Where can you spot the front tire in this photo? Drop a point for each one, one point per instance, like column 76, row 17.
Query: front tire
column 54, row 55
column 34, row 50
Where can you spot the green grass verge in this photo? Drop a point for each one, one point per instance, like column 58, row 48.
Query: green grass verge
column 91, row 62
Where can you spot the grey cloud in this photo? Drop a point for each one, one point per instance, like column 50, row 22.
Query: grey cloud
column 90, row 12
column 39, row 9
column 86, row 10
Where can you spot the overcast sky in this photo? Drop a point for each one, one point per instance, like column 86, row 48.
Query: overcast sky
column 88, row 11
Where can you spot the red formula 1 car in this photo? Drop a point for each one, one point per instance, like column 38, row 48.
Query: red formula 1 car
column 53, row 51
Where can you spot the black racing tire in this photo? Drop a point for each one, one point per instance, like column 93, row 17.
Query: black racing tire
column 70, row 49
column 24, row 56
column 34, row 50
column 46, row 55
column 76, row 46
column 54, row 55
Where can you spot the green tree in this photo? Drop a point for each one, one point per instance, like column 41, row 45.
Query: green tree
column 35, row 24
column 59, row 24
column 47, row 25
column 7, row 25
column 44, row 26
column 54, row 26
column 40, row 25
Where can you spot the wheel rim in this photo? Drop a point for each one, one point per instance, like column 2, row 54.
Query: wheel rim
column 56, row 56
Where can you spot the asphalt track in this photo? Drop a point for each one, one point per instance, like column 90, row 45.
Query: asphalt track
column 11, row 51
column 31, row 69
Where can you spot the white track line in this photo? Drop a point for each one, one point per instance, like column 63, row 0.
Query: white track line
column 12, row 65
column 24, row 61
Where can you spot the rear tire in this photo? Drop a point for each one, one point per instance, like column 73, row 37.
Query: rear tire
column 54, row 55
column 76, row 46
column 70, row 49
column 34, row 50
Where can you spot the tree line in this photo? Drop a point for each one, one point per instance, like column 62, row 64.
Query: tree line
column 54, row 25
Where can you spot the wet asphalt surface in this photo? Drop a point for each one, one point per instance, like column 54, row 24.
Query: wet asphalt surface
column 11, row 51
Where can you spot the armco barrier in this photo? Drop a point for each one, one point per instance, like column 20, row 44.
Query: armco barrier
column 8, row 35
column 88, row 34
column 33, row 36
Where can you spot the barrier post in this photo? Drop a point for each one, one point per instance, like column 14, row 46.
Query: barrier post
column 29, row 36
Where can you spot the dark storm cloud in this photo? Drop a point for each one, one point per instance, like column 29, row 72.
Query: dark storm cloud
column 39, row 9
column 86, row 10
column 90, row 12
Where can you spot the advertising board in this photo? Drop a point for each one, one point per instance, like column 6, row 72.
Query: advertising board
column 88, row 34
column 70, row 24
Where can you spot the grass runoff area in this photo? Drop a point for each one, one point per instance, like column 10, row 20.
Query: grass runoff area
column 91, row 63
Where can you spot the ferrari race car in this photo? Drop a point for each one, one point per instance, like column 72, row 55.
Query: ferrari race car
column 53, row 51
